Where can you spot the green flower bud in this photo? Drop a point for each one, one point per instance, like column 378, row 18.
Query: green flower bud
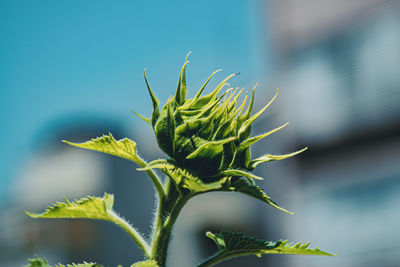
column 208, row 136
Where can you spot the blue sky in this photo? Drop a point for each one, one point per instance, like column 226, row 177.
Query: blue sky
column 87, row 57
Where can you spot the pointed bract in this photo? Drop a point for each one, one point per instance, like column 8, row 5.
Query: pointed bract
column 156, row 102
column 268, row 157
column 243, row 131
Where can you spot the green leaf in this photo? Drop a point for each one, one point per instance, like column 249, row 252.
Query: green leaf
column 89, row 208
column 149, row 263
column 37, row 262
column 240, row 242
column 92, row 208
column 234, row 244
column 257, row 192
column 84, row 264
column 268, row 157
column 124, row 148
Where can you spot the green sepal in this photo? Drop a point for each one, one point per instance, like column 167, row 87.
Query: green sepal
column 250, row 141
column 124, row 148
column 196, row 97
column 268, row 157
column 223, row 130
column 235, row 244
column 149, row 263
column 211, row 96
column 171, row 128
column 146, row 120
column 155, row 101
column 239, row 173
column 242, row 186
column 194, row 185
column 163, row 130
column 181, row 89
column 244, row 129
column 210, row 149
column 242, row 155
column 243, row 117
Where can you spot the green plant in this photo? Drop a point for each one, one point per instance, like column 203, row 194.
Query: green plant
column 207, row 139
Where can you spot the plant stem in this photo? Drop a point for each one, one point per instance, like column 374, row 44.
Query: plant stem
column 156, row 181
column 162, row 233
column 139, row 240
column 214, row 259
column 222, row 256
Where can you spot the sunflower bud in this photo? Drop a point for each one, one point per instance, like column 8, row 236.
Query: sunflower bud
column 209, row 136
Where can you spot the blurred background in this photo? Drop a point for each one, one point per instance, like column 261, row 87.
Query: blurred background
column 74, row 69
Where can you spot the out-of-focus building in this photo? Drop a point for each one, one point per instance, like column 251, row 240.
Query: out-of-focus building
column 337, row 64
column 57, row 170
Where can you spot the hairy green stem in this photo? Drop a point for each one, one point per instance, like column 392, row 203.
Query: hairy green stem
column 214, row 259
column 136, row 236
column 156, row 181
column 162, row 234
column 221, row 256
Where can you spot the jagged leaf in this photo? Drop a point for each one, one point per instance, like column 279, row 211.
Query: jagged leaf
column 92, row 208
column 149, row 263
column 234, row 244
column 37, row 262
column 89, row 208
column 124, row 148
column 255, row 191
column 84, row 264
column 267, row 158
